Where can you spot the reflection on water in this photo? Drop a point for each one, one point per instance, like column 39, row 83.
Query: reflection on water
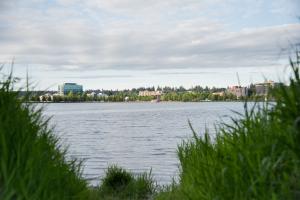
column 137, row 136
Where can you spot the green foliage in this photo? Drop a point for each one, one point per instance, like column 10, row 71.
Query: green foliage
column 116, row 178
column 121, row 184
column 32, row 166
column 255, row 157
column 168, row 192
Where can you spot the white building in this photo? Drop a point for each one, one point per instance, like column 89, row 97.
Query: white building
column 46, row 97
column 150, row 93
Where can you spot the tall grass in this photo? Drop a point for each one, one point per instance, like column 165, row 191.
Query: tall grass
column 256, row 157
column 32, row 165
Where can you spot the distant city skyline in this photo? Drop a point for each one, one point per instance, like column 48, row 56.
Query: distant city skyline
column 60, row 87
column 124, row 44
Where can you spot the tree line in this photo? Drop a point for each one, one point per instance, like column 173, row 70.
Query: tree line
column 199, row 94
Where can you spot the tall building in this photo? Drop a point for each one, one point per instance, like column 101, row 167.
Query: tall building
column 238, row 91
column 262, row 89
column 66, row 88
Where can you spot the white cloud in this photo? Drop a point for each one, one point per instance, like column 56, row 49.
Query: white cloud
column 138, row 35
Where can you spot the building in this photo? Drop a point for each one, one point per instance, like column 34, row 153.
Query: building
column 262, row 89
column 221, row 94
column 46, row 97
column 238, row 91
column 146, row 93
column 102, row 95
column 91, row 95
column 96, row 94
column 66, row 88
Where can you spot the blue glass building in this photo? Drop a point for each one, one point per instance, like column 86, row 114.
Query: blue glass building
column 66, row 88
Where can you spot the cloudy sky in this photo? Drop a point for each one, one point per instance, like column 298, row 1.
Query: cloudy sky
column 131, row 43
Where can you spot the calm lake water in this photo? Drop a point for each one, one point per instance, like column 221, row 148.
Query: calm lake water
column 136, row 136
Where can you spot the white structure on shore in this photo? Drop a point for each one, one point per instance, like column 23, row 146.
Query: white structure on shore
column 146, row 93
column 48, row 97
column 238, row 91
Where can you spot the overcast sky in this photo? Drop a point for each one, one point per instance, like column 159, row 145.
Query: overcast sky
column 131, row 43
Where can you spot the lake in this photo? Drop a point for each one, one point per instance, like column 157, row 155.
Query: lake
column 136, row 136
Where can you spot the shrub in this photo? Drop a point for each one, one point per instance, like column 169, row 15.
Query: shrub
column 121, row 184
column 116, row 179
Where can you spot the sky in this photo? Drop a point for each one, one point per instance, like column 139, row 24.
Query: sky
column 119, row 44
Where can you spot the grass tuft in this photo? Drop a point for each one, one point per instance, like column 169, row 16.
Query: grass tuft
column 121, row 184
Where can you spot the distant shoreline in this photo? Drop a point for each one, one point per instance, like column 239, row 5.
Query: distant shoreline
column 237, row 101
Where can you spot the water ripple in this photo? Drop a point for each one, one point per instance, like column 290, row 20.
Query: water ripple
column 136, row 136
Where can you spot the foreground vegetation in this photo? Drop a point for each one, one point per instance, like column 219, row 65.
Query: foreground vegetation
column 33, row 165
column 254, row 157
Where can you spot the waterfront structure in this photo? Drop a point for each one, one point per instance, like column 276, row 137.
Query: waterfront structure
column 66, row 88
column 262, row 89
column 147, row 93
column 100, row 94
column 238, row 91
column 91, row 95
column 221, row 94
column 96, row 94
column 48, row 97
